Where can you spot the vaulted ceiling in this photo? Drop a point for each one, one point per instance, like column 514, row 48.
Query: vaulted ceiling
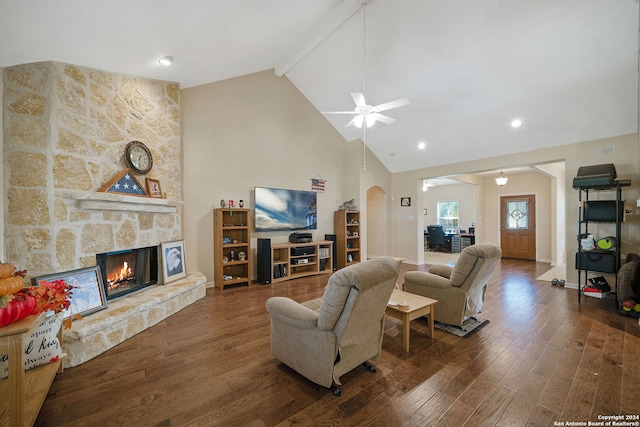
column 567, row 68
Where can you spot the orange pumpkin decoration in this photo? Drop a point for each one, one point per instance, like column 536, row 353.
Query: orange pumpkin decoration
column 10, row 285
column 6, row 269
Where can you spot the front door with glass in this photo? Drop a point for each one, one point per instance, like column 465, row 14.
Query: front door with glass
column 518, row 226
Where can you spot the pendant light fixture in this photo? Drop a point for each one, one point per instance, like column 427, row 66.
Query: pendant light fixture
column 501, row 180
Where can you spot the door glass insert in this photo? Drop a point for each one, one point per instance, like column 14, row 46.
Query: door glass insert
column 518, row 215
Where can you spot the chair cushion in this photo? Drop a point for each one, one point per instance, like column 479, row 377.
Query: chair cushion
column 441, row 270
column 464, row 266
column 473, row 257
column 350, row 281
column 332, row 305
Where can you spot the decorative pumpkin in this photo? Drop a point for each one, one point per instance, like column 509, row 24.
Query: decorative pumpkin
column 6, row 269
column 16, row 307
column 10, row 285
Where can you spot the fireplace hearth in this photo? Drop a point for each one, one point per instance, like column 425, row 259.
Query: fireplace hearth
column 128, row 270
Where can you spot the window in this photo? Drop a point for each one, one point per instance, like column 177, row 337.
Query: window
column 448, row 215
column 518, row 215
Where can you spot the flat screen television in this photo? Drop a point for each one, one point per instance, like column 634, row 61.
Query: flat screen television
column 278, row 209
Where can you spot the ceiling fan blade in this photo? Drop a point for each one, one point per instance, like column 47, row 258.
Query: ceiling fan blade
column 339, row 112
column 382, row 118
column 353, row 121
column 393, row 104
column 358, row 98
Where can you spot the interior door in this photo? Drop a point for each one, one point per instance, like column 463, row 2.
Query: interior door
column 518, row 226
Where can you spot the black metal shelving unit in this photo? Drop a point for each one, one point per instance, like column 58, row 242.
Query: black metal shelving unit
column 599, row 211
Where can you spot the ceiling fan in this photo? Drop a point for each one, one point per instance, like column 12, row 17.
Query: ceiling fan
column 369, row 114
column 366, row 114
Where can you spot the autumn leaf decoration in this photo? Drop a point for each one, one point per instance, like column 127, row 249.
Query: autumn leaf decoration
column 56, row 296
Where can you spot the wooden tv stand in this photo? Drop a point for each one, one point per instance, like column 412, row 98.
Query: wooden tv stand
column 23, row 393
column 286, row 264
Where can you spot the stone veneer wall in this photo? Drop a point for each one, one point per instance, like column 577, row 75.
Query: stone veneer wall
column 65, row 128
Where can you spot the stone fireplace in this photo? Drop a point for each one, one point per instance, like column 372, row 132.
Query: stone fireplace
column 65, row 129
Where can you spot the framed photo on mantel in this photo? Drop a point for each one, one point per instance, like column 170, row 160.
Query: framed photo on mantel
column 153, row 188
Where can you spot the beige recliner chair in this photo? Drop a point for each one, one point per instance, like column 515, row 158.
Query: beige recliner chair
column 327, row 337
column 460, row 289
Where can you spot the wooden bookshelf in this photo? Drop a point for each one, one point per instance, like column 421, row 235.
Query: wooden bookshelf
column 232, row 259
column 346, row 225
column 291, row 260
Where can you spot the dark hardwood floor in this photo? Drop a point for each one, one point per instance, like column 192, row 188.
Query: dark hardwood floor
column 542, row 359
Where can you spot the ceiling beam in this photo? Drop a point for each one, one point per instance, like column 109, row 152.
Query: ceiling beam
column 318, row 35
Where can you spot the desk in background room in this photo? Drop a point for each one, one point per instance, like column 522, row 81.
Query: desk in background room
column 447, row 242
column 461, row 241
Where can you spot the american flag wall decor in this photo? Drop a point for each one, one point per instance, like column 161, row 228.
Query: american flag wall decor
column 124, row 183
column 317, row 185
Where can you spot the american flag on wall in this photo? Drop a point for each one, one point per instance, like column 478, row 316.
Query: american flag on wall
column 317, row 185
column 124, row 183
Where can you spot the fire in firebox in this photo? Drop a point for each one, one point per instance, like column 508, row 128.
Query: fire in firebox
column 121, row 277
column 128, row 270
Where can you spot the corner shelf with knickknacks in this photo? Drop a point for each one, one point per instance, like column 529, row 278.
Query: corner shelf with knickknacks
column 346, row 224
column 232, row 251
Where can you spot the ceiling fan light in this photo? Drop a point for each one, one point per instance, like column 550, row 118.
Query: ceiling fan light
column 501, row 180
column 370, row 121
column 358, row 121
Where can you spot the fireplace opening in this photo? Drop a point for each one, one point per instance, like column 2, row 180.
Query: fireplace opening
column 128, row 270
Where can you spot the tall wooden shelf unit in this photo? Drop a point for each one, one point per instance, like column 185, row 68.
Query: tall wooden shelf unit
column 232, row 225
column 346, row 225
column 599, row 211
column 24, row 392
column 294, row 260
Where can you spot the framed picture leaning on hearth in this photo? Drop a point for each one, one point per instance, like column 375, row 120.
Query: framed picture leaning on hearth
column 173, row 265
column 88, row 294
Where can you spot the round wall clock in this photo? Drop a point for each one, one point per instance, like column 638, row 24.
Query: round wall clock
column 138, row 157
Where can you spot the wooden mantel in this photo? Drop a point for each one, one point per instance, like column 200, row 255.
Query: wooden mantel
column 121, row 202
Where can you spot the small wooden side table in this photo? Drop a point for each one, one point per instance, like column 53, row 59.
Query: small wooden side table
column 418, row 306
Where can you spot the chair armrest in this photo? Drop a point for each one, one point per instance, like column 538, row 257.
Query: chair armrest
column 292, row 313
column 421, row 278
column 441, row 270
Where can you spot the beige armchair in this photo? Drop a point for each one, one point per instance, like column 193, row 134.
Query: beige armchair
column 460, row 289
column 327, row 337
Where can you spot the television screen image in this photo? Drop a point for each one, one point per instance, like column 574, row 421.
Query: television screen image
column 277, row 209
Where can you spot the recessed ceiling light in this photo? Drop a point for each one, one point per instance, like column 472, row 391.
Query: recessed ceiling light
column 422, row 145
column 516, row 123
column 165, row 60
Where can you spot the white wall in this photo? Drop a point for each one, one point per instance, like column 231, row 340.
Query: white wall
column 377, row 243
column 557, row 173
column 623, row 151
column 254, row 130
